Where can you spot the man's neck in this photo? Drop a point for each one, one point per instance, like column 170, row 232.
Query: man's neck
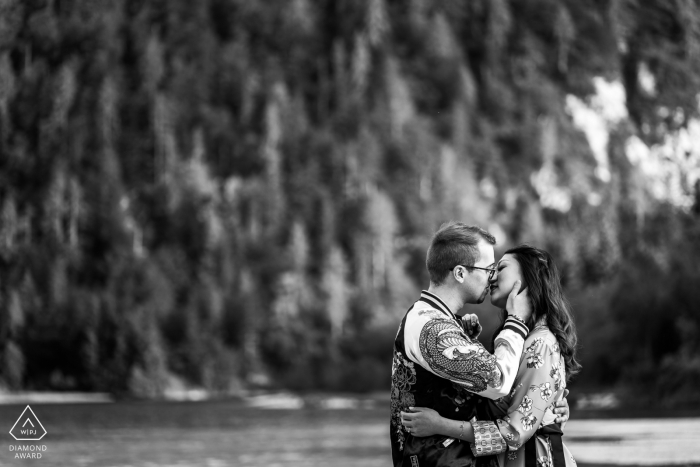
column 447, row 295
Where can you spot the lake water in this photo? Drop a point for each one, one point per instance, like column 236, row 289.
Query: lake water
column 333, row 433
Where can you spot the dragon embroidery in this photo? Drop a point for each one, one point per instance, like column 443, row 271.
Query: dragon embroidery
column 451, row 355
column 403, row 377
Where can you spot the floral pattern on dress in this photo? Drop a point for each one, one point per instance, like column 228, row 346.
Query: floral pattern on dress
column 545, row 390
column 528, row 420
column 536, row 343
column 525, row 405
column 534, row 361
column 512, row 455
column 556, row 375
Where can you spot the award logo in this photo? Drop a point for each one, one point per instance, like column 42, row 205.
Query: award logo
column 28, row 428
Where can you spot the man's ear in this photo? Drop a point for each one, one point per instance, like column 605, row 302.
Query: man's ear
column 458, row 272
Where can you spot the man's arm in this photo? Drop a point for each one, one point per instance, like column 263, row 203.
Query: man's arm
column 441, row 346
column 424, row 421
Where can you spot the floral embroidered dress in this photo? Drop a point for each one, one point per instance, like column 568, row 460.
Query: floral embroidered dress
column 540, row 381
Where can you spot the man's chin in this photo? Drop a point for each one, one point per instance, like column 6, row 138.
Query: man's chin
column 482, row 297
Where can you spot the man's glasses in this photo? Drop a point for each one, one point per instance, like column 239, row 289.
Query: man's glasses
column 491, row 271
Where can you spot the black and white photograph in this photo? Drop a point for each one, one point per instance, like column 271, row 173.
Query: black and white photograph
column 377, row 233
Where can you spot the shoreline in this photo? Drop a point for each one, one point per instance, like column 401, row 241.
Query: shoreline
column 41, row 397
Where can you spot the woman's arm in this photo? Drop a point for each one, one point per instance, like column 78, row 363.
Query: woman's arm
column 422, row 421
column 532, row 397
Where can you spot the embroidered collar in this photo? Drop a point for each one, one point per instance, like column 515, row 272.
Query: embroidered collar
column 437, row 303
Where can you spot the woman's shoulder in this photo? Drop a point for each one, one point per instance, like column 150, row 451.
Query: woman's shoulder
column 540, row 346
column 539, row 337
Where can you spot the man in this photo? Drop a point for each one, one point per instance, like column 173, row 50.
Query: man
column 437, row 364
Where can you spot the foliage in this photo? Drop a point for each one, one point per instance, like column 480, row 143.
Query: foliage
column 226, row 190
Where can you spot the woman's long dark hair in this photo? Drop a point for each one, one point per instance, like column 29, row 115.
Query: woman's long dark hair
column 541, row 276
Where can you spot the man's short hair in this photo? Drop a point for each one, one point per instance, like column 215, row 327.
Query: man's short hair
column 453, row 244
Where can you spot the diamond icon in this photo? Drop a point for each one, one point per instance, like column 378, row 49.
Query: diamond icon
column 28, row 427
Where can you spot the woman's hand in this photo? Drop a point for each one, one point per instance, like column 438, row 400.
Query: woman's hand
column 519, row 303
column 422, row 421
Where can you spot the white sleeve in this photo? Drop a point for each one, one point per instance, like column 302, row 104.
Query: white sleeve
column 439, row 344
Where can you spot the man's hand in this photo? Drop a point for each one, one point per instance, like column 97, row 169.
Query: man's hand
column 472, row 325
column 561, row 409
column 519, row 303
column 422, row 421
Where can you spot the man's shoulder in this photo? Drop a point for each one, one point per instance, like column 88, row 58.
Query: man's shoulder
column 424, row 310
column 421, row 314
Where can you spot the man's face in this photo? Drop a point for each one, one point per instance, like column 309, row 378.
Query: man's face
column 477, row 280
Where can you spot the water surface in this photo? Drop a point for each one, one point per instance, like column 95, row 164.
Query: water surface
column 152, row 434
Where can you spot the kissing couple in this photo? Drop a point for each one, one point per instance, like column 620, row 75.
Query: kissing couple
column 453, row 403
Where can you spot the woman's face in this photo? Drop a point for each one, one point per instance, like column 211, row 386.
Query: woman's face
column 507, row 272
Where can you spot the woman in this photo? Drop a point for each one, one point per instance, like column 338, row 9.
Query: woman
column 524, row 421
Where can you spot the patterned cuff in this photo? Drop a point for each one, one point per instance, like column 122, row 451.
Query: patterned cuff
column 487, row 439
column 516, row 324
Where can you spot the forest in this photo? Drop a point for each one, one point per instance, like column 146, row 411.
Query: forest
column 236, row 194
